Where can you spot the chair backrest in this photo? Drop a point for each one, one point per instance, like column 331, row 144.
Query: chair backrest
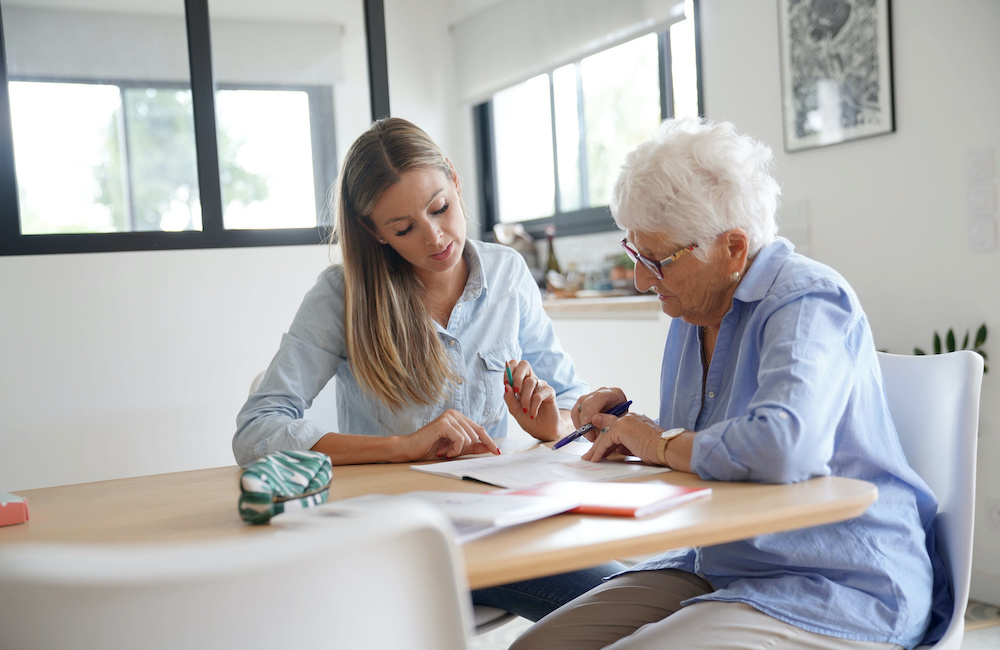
column 390, row 578
column 934, row 402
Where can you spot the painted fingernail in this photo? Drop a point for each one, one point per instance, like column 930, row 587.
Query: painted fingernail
column 525, row 410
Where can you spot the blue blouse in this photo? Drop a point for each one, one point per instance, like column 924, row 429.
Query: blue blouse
column 498, row 318
column 794, row 390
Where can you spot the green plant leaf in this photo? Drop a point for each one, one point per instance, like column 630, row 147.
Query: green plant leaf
column 980, row 336
column 937, row 343
column 918, row 351
column 950, row 340
column 965, row 341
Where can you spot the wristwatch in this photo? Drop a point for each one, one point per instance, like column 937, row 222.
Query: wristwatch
column 665, row 439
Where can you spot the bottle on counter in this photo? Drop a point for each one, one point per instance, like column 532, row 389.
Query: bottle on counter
column 553, row 265
column 556, row 285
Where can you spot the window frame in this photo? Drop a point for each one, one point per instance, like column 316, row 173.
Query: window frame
column 203, row 87
column 574, row 222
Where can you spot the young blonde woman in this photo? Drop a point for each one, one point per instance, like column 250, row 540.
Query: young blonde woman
column 418, row 325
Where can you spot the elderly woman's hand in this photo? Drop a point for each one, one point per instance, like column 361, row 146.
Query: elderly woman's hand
column 630, row 435
column 591, row 404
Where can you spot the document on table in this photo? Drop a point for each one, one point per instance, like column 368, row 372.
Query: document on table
column 472, row 514
column 539, row 465
column 477, row 514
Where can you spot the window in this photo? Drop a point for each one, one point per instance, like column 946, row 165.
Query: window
column 550, row 147
column 127, row 133
column 266, row 159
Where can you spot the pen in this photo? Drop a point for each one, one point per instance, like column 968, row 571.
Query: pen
column 510, row 377
column 614, row 410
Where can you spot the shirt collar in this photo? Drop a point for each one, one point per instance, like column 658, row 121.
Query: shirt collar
column 477, row 279
column 762, row 273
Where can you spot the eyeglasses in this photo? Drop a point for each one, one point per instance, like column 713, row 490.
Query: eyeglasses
column 655, row 267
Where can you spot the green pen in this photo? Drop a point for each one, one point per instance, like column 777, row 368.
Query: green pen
column 510, row 377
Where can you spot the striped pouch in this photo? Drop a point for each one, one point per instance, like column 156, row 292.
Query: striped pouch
column 284, row 481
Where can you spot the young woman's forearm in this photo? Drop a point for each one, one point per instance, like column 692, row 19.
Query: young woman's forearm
column 347, row 449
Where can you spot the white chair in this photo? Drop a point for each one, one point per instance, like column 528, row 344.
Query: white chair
column 390, row 578
column 934, row 402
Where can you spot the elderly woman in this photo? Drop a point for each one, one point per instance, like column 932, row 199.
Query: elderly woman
column 769, row 375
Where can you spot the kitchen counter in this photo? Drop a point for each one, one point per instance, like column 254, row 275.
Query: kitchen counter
column 642, row 307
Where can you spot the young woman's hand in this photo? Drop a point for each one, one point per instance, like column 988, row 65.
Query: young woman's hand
column 532, row 402
column 449, row 435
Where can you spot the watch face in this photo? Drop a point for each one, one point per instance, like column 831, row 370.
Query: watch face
column 671, row 433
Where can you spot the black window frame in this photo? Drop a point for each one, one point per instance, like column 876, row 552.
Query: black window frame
column 213, row 233
column 574, row 222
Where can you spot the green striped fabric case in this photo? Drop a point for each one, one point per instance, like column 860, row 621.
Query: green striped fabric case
column 284, row 481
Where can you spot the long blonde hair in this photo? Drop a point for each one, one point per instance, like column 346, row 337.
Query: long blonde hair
column 392, row 344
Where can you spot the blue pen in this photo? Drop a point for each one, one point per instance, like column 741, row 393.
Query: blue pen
column 614, row 410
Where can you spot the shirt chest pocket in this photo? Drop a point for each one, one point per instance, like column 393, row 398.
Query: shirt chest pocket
column 492, row 364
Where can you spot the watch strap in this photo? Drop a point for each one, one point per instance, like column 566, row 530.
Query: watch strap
column 665, row 439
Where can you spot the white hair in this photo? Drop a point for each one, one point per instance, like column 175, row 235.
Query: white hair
column 695, row 180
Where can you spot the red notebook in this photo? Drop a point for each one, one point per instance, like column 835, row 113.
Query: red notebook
column 621, row 499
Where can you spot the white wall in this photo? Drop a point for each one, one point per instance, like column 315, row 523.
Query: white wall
column 123, row 364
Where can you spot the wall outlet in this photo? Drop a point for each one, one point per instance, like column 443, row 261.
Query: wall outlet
column 993, row 515
column 982, row 199
column 979, row 164
column 983, row 234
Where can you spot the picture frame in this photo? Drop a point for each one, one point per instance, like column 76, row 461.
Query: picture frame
column 836, row 71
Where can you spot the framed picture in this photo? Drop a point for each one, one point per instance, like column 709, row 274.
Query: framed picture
column 836, row 71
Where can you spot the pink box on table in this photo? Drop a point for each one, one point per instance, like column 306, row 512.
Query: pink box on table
column 13, row 509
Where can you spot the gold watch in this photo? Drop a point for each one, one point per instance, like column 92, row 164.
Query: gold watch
column 665, row 439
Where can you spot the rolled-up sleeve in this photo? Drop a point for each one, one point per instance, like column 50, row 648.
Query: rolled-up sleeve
column 309, row 355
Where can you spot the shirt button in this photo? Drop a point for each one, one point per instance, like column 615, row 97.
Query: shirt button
column 453, row 343
column 460, row 382
column 711, row 394
column 783, row 415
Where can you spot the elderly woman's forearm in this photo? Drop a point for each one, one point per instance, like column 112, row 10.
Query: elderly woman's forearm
column 678, row 452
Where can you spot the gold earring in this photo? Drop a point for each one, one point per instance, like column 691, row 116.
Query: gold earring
column 736, row 276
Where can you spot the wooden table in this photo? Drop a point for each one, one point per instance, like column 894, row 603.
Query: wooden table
column 202, row 504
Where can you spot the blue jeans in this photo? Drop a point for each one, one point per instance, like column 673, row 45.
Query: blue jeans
column 533, row 599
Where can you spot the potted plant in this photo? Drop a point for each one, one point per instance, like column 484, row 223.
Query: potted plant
column 950, row 344
column 622, row 272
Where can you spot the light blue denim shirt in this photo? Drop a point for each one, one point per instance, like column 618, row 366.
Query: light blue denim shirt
column 794, row 391
column 498, row 318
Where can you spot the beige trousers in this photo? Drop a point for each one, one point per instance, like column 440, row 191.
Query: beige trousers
column 641, row 611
